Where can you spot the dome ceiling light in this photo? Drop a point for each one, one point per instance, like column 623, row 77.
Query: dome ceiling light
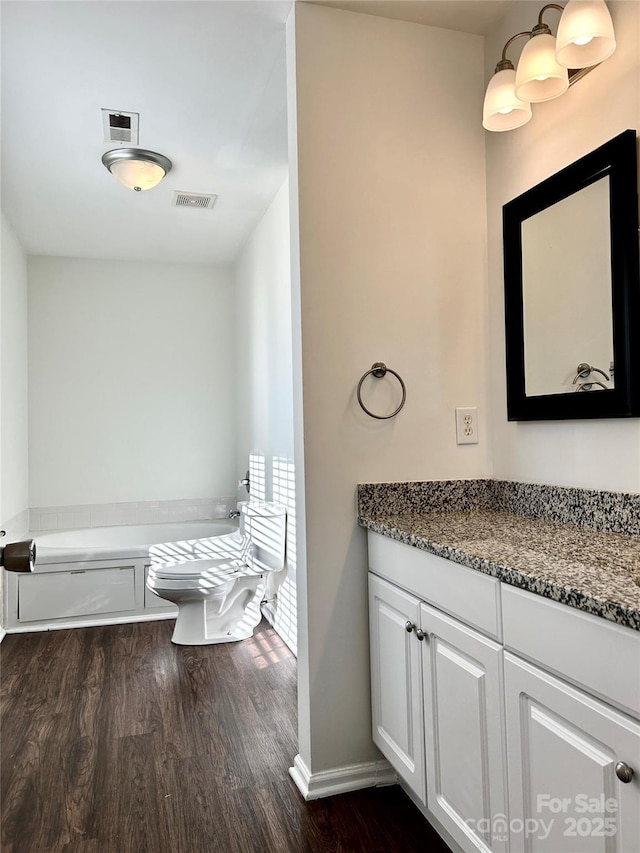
column 585, row 39
column 136, row 168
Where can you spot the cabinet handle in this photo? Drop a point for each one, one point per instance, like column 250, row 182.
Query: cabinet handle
column 409, row 626
column 624, row 772
column 420, row 634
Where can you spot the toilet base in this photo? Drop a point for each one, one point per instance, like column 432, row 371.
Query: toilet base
column 227, row 620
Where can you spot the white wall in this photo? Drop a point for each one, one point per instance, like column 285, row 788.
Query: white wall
column 263, row 332
column 13, row 377
column 392, row 240
column 601, row 454
column 265, row 385
column 14, row 499
column 131, row 392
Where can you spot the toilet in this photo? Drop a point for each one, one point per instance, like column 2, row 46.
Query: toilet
column 218, row 596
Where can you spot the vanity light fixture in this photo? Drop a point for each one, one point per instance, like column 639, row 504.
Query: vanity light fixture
column 136, row 168
column 585, row 38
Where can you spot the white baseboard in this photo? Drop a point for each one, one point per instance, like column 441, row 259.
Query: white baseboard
column 339, row 780
column 88, row 623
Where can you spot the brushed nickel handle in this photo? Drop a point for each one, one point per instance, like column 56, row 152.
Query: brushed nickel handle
column 409, row 627
column 624, row 772
column 420, row 634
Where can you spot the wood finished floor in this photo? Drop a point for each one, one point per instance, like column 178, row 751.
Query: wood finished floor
column 116, row 741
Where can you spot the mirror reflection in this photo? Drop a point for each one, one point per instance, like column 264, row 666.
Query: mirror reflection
column 567, row 295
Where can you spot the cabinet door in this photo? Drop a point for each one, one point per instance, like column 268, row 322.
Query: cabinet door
column 563, row 746
column 396, row 683
column 464, row 731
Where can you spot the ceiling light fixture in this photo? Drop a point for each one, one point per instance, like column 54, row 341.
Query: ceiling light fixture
column 136, row 168
column 585, row 38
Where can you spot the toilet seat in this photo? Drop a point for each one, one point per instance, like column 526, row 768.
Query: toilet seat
column 185, row 571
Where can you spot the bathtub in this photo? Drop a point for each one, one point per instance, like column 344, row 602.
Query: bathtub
column 96, row 576
column 122, row 542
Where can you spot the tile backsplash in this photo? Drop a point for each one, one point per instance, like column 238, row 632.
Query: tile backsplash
column 140, row 512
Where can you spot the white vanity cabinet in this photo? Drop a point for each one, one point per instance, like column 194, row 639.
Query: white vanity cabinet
column 436, row 705
column 514, row 720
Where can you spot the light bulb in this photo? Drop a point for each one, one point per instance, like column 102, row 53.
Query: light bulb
column 502, row 110
column 585, row 34
column 539, row 77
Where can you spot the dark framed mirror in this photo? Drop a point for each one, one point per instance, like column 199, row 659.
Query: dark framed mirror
column 572, row 290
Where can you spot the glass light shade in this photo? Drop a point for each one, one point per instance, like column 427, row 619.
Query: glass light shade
column 502, row 109
column 585, row 34
column 137, row 174
column 539, row 76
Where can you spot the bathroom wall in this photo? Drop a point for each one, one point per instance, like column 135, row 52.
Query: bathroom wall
column 600, row 453
column 14, row 500
column 392, row 267
column 265, row 390
column 13, row 378
column 132, row 382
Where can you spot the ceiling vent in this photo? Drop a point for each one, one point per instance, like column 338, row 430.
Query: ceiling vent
column 195, row 200
column 120, row 126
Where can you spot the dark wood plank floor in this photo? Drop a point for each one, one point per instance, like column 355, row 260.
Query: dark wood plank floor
column 116, row 741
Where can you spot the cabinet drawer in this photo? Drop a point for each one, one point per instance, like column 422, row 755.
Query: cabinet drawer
column 600, row 655
column 468, row 595
column 57, row 595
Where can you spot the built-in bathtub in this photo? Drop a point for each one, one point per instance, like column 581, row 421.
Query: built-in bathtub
column 134, row 540
column 96, row 576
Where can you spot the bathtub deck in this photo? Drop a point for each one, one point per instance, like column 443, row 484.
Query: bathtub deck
column 115, row 741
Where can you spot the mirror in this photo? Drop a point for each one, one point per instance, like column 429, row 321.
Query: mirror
column 572, row 295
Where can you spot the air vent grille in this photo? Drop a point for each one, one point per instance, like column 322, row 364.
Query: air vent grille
column 195, row 200
column 120, row 126
column 119, row 134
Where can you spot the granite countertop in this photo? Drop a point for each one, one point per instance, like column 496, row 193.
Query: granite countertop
column 593, row 570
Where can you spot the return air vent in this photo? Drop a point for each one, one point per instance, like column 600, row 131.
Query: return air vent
column 196, row 200
column 120, row 126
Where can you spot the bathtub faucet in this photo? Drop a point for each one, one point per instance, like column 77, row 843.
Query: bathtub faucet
column 234, row 514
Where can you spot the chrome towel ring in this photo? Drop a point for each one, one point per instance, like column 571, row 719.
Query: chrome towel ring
column 584, row 371
column 379, row 369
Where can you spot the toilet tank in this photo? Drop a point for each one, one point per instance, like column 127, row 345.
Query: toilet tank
column 265, row 523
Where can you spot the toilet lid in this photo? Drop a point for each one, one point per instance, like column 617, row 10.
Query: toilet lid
column 185, row 571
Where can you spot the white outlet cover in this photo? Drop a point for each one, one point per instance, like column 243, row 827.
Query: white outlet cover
column 467, row 425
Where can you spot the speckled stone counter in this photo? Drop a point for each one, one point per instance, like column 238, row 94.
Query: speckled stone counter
column 589, row 563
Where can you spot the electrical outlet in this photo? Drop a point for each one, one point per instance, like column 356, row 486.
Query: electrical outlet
column 467, row 426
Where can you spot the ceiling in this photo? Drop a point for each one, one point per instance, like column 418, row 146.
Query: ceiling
column 466, row 16
column 209, row 82
column 208, row 79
